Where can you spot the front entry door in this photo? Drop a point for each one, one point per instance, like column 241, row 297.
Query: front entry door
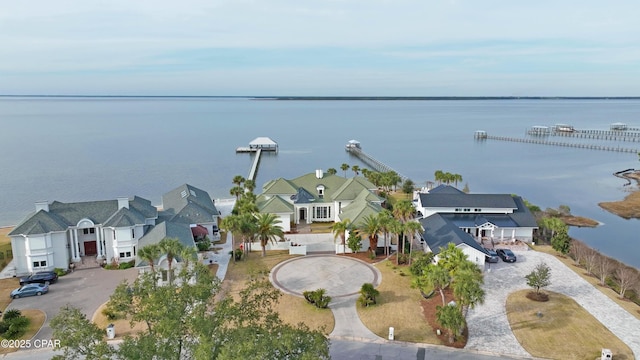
column 90, row 248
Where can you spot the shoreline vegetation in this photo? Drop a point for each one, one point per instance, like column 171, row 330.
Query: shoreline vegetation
column 628, row 208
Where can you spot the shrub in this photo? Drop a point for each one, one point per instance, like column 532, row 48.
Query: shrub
column 11, row 314
column 111, row 314
column 317, row 298
column 60, row 271
column 368, row 295
column 354, row 242
column 127, row 265
column 15, row 325
column 203, row 245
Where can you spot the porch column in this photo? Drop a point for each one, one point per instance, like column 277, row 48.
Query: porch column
column 76, row 245
column 99, row 241
column 501, row 234
column 513, row 234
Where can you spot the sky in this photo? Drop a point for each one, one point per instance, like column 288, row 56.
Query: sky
column 320, row 48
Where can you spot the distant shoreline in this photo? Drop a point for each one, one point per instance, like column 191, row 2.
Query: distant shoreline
column 332, row 98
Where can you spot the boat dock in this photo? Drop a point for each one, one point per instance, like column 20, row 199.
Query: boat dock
column 485, row 136
column 257, row 146
column 354, row 148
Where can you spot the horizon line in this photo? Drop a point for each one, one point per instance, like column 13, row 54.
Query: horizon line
column 330, row 97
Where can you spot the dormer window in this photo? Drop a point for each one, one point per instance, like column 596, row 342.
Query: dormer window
column 320, row 189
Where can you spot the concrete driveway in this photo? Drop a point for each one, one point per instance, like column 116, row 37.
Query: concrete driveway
column 85, row 289
column 489, row 328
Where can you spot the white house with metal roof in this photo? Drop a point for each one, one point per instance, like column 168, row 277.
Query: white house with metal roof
column 318, row 197
column 58, row 234
column 449, row 215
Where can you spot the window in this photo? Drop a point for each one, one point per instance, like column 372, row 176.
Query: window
column 39, row 264
column 89, row 231
column 85, row 231
column 323, row 212
column 133, row 233
column 92, row 231
column 477, row 210
column 134, row 251
column 126, row 254
column 114, row 234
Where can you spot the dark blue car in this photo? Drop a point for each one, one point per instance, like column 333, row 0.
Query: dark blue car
column 506, row 255
column 41, row 277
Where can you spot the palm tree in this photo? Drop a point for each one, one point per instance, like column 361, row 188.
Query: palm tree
column 332, row 171
column 403, row 211
column 268, row 229
column 385, row 219
column 397, row 228
column 236, row 191
column 467, row 289
column 150, row 253
column 187, row 254
column 171, row 247
column 450, row 318
column 435, row 277
column 340, row 230
column 457, row 178
column 238, row 180
column 370, row 227
column 412, row 227
column 438, row 176
column 344, row 167
column 452, row 259
column 250, row 185
column 356, row 169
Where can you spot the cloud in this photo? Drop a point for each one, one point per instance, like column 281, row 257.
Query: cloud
column 166, row 39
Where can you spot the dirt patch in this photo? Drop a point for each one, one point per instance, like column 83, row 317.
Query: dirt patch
column 366, row 257
column 541, row 297
column 429, row 309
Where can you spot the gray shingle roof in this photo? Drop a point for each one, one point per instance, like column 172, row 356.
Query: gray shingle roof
column 124, row 218
column 41, row 222
column 181, row 197
column 445, row 189
column 163, row 230
column 438, row 232
column 63, row 215
column 468, row 200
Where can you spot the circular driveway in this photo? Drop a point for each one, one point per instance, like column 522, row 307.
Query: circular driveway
column 339, row 275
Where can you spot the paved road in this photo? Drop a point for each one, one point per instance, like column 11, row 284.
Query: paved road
column 84, row 289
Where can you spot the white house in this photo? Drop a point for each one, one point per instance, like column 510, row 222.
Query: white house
column 58, row 234
column 496, row 217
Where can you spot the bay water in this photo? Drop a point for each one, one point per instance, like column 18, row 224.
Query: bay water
column 80, row 149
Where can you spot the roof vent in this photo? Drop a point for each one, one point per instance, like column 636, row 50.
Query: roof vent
column 319, row 174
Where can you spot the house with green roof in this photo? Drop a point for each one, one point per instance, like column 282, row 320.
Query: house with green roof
column 318, row 197
column 58, row 234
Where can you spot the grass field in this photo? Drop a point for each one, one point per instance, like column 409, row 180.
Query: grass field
column 398, row 306
column 564, row 330
column 5, row 246
column 292, row 309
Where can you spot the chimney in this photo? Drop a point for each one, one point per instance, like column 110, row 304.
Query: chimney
column 42, row 205
column 319, row 174
column 123, row 202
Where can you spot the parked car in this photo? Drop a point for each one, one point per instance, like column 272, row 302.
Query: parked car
column 506, row 255
column 492, row 257
column 41, row 277
column 30, row 290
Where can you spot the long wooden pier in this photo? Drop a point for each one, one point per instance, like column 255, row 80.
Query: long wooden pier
column 558, row 143
column 375, row 164
column 257, row 146
column 254, row 166
column 628, row 136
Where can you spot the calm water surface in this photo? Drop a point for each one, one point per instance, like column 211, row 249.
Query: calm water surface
column 89, row 149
